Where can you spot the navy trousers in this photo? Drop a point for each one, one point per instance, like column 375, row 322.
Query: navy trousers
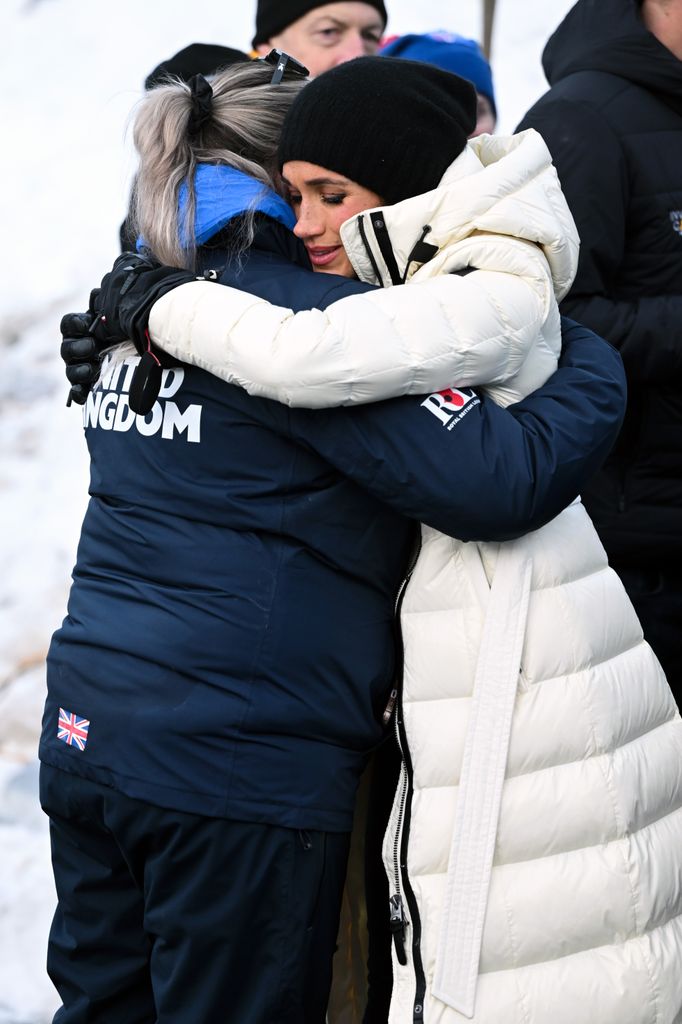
column 168, row 917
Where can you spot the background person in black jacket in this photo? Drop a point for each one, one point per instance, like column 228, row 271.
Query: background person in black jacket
column 613, row 122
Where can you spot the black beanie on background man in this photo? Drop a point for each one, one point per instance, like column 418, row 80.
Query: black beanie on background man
column 273, row 16
column 196, row 59
column 414, row 120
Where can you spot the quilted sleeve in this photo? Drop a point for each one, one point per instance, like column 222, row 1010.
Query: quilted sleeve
column 446, row 331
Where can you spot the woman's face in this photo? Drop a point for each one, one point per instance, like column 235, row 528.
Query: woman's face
column 322, row 201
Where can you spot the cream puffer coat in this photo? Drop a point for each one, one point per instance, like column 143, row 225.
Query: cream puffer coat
column 534, row 849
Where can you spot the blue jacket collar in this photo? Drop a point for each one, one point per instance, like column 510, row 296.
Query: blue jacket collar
column 223, row 193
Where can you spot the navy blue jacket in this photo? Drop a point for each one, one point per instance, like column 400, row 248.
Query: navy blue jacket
column 229, row 636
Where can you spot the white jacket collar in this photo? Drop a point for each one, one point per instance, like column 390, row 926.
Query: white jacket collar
column 500, row 185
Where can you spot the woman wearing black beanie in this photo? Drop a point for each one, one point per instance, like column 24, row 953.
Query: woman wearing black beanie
column 390, row 128
column 391, row 125
column 492, row 917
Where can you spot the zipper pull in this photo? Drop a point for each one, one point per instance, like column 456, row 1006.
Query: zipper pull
column 397, row 925
column 390, row 704
column 304, row 839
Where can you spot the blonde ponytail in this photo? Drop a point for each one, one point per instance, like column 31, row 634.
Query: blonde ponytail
column 241, row 130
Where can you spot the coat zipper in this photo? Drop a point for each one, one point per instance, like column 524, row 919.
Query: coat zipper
column 401, row 863
column 398, row 918
column 397, row 604
column 404, row 893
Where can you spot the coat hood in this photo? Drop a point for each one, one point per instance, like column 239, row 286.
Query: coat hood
column 501, row 192
column 610, row 36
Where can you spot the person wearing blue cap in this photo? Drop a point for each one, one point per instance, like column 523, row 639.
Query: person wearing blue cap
column 453, row 53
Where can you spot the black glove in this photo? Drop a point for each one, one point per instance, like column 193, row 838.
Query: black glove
column 82, row 354
column 122, row 304
column 119, row 310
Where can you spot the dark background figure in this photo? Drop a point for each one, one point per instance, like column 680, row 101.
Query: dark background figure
column 195, row 59
column 613, row 122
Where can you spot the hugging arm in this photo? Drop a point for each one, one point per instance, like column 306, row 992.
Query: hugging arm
column 364, row 348
column 467, row 328
column 367, row 346
column 471, row 469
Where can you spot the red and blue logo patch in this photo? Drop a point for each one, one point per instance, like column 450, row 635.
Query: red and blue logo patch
column 72, row 730
column 451, row 404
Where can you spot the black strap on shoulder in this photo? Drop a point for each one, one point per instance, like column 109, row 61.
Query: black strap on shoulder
column 386, row 249
column 365, row 241
column 422, row 251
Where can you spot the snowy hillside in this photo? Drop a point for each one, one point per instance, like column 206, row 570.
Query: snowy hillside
column 71, row 71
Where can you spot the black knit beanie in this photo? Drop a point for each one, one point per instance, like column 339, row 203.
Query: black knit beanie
column 391, row 125
column 196, row 59
column 273, row 16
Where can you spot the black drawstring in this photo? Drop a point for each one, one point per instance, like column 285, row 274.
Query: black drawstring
column 422, row 251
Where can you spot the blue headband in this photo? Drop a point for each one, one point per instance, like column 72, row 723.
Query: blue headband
column 223, row 193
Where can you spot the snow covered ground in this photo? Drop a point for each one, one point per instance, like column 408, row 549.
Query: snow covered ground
column 70, row 72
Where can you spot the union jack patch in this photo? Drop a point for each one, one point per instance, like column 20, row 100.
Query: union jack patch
column 72, row 729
